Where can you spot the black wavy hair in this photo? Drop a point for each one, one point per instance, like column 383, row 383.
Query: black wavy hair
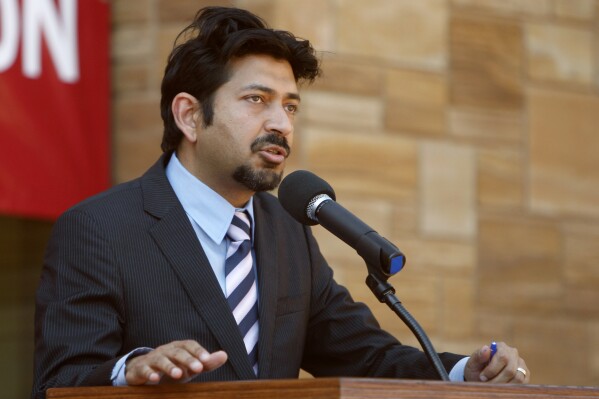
column 200, row 64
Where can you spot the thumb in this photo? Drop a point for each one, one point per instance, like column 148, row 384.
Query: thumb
column 477, row 362
column 482, row 356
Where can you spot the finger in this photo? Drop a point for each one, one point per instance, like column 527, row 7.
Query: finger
column 185, row 360
column 206, row 361
column 527, row 377
column 174, row 361
column 167, row 366
column 213, row 360
column 197, row 351
column 177, row 359
column 522, row 374
column 481, row 357
column 502, row 367
column 477, row 362
column 192, row 347
column 158, row 360
column 192, row 357
column 140, row 373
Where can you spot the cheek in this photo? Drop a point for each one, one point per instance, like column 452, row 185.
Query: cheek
column 241, row 144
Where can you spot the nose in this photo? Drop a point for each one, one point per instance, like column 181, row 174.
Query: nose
column 279, row 121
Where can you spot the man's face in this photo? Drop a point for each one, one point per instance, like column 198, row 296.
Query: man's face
column 250, row 138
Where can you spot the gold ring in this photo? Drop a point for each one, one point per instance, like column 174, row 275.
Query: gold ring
column 520, row 369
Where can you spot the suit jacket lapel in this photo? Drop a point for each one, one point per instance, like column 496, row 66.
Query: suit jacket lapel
column 174, row 235
column 265, row 247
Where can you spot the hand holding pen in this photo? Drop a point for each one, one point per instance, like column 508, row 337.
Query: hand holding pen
column 496, row 363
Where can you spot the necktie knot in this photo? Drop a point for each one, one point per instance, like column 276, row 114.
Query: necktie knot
column 240, row 227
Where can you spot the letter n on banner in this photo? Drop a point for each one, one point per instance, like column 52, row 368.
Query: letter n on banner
column 54, row 104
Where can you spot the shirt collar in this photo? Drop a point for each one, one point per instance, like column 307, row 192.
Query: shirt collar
column 212, row 213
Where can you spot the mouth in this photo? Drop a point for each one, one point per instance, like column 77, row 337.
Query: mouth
column 275, row 149
column 273, row 154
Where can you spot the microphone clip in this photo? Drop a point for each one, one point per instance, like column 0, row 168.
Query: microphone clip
column 380, row 254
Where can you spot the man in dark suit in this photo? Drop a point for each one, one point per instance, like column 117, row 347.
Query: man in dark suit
column 139, row 285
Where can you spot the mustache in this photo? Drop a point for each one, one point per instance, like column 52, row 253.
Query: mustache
column 271, row 139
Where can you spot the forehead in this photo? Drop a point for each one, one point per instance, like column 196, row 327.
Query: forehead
column 262, row 70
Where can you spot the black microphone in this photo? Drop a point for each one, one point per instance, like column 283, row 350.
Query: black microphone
column 311, row 200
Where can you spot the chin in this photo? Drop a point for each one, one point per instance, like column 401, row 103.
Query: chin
column 263, row 179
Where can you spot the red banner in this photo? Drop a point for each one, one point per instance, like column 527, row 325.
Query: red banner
column 54, row 104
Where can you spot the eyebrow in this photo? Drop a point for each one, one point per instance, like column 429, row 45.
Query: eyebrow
column 265, row 89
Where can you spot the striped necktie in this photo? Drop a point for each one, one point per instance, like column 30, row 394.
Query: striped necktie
column 240, row 282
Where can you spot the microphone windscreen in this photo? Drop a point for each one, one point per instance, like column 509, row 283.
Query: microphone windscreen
column 298, row 189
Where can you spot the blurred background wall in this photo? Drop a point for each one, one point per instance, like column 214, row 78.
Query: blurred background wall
column 465, row 131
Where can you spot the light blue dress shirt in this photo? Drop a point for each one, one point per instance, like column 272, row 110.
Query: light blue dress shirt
column 210, row 227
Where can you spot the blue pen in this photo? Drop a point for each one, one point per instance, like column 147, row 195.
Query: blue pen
column 493, row 349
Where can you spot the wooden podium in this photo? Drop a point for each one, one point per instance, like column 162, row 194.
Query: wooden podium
column 327, row 388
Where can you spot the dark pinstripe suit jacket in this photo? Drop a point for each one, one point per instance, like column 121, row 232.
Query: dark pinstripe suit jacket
column 125, row 269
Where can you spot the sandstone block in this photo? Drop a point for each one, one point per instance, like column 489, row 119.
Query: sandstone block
column 535, row 8
column 417, row 101
column 559, row 53
column 340, row 75
column 363, row 164
column 314, row 20
column 342, row 109
column 501, row 176
column 486, row 126
column 486, row 63
column 564, row 167
column 519, row 265
column 583, row 10
column 447, row 190
column 391, row 27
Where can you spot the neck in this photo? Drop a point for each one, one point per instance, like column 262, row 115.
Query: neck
column 231, row 190
column 238, row 200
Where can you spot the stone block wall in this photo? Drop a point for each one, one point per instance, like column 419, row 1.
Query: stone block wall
column 465, row 131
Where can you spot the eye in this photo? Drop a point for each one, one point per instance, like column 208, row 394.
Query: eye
column 292, row 108
column 254, row 98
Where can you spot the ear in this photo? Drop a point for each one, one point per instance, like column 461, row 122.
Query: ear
column 186, row 112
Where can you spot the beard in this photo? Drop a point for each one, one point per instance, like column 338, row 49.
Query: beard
column 264, row 179
column 257, row 180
